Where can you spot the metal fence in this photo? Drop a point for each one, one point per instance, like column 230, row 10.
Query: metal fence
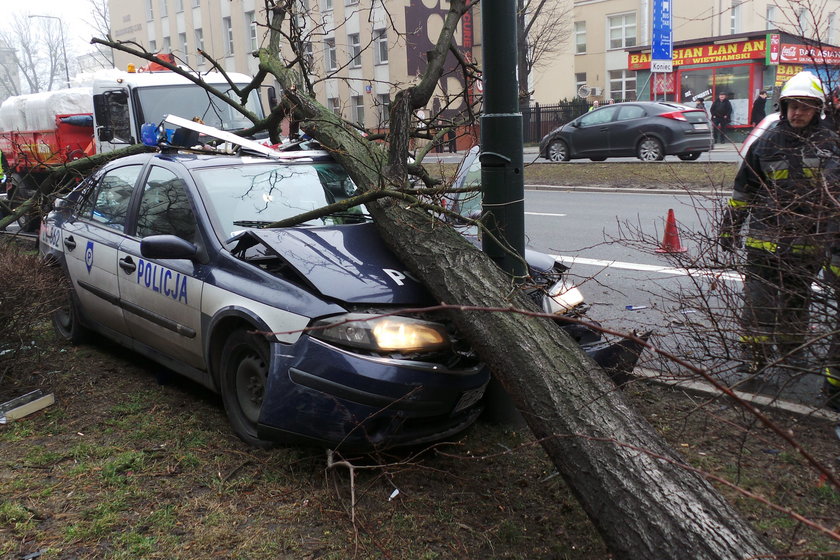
column 538, row 120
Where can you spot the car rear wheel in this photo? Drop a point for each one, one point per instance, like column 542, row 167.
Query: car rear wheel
column 65, row 318
column 690, row 156
column 650, row 149
column 558, row 151
column 243, row 375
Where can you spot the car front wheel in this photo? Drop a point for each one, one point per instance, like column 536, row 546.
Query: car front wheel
column 650, row 149
column 690, row 156
column 558, row 151
column 243, row 375
column 65, row 318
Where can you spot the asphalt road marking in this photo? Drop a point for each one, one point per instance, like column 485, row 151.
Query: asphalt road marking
column 544, row 214
column 725, row 275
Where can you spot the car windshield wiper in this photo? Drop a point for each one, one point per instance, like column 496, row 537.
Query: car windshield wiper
column 252, row 223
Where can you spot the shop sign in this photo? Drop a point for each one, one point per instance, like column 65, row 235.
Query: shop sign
column 786, row 71
column 704, row 54
column 775, row 48
column 803, row 54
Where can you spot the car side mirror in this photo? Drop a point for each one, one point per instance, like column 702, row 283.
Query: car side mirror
column 167, row 247
column 576, row 124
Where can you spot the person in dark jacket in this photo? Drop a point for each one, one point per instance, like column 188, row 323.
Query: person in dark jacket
column 786, row 187
column 758, row 109
column 721, row 112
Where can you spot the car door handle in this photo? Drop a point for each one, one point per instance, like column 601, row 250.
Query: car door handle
column 127, row 264
column 70, row 243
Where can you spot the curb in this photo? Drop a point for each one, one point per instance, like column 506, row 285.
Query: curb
column 763, row 401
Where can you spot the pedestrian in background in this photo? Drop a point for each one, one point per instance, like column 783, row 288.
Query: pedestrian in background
column 786, row 187
column 758, row 110
column 595, row 105
column 701, row 104
column 721, row 112
column 832, row 110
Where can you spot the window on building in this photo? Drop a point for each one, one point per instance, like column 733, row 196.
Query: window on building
column 358, row 103
column 328, row 5
column 380, row 40
column 302, row 12
column 623, row 84
column 199, row 45
column 164, row 9
column 150, row 10
column 167, row 45
column 251, row 30
column 334, row 106
column 330, row 60
column 152, row 45
column 354, row 50
column 228, row 34
column 182, row 44
column 350, row 2
column 179, row 6
column 770, row 15
column 580, row 80
column 831, row 32
column 622, row 31
column 735, row 17
column 804, row 19
column 308, row 54
column 196, row 4
column 580, row 37
column 383, row 105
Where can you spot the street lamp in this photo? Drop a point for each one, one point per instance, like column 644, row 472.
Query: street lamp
column 63, row 48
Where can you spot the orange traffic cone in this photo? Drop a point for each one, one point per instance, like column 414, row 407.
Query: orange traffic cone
column 671, row 240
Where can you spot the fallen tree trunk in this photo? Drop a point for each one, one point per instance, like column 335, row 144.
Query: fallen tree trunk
column 636, row 490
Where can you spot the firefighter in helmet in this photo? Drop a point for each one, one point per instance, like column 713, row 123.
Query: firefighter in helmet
column 785, row 186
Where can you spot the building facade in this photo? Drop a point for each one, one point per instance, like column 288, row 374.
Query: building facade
column 359, row 52
column 605, row 31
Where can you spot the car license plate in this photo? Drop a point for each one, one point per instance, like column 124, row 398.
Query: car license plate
column 701, row 126
column 468, row 399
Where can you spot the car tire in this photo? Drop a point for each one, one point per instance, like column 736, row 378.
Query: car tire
column 602, row 158
column 243, row 374
column 689, row 156
column 66, row 318
column 650, row 149
column 22, row 190
column 557, row 150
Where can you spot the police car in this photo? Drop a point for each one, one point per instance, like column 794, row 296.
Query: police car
column 300, row 329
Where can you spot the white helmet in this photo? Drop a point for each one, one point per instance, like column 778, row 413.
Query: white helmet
column 803, row 84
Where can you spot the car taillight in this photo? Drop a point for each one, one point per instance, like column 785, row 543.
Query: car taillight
column 676, row 115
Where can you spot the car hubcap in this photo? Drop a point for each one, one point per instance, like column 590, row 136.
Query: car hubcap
column 250, row 386
column 650, row 150
column 557, row 152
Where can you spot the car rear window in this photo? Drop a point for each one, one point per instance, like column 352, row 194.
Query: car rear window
column 697, row 116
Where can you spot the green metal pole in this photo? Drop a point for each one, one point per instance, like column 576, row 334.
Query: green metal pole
column 502, row 177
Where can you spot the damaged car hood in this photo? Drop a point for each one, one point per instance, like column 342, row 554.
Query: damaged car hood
column 349, row 263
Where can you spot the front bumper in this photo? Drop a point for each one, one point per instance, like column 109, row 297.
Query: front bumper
column 325, row 395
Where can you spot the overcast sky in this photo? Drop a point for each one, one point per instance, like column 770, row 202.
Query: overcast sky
column 73, row 14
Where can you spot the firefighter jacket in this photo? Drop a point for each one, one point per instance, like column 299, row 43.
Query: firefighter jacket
column 788, row 186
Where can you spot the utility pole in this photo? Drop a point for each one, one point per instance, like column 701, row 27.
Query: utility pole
column 502, row 166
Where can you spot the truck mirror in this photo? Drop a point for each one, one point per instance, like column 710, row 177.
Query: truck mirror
column 100, row 110
column 106, row 133
column 272, row 97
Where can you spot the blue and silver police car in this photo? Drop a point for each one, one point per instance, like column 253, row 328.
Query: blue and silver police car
column 299, row 329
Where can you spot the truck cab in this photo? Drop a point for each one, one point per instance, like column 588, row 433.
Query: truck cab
column 124, row 101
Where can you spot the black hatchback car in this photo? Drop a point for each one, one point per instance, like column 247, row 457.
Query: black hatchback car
column 649, row 130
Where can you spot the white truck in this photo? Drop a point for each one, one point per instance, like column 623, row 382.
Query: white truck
column 104, row 113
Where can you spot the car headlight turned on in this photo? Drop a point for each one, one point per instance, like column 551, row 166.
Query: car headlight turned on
column 562, row 298
column 383, row 334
